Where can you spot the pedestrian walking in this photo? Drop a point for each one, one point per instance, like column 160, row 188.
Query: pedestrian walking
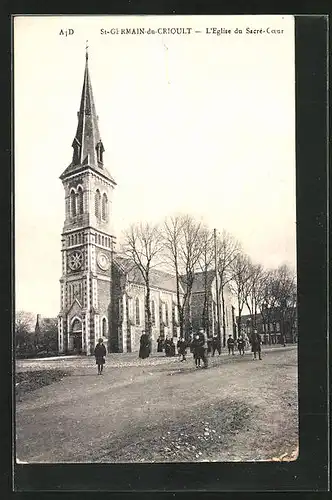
column 100, row 354
column 196, row 345
column 171, row 347
column 256, row 345
column 241, row 345
column 182, row 346
column 145, row 348
column 230, row 344
column 216, row 345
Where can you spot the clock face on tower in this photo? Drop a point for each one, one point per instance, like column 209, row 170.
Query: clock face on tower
column 75, row 260
column 103, row 261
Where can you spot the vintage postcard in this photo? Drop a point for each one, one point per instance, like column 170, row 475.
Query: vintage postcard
column 156, row 288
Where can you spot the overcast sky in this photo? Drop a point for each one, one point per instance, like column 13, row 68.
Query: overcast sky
column 200, row 124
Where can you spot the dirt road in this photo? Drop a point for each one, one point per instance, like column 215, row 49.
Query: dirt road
column 159, row 410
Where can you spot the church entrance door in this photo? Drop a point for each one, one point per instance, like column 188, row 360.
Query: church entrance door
column 77, row 343
column 76, row 335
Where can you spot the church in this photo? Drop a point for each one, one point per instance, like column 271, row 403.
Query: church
column 102, row 294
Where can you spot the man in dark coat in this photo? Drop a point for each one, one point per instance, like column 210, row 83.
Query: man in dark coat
column 171, row 347
column 160, row 344
column 230, row 344
column 256, row 345
column 167, row 347
column 144, row 350
column 100, row 353
column 216, row 345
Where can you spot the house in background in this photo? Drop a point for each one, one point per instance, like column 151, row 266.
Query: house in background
column 46, row 335
column 273, row 326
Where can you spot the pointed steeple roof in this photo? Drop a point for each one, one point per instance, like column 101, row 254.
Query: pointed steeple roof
column 87, row 144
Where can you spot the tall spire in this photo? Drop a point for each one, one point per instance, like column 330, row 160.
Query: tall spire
column 88, row 148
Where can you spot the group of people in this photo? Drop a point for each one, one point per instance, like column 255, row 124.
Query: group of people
column 199, row 345
column 241, row 345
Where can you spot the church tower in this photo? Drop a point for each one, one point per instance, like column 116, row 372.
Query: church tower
column 87, row 240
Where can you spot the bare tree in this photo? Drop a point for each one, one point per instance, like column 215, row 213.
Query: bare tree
column 240, row 270
column 263, row 298
column 24, row 329
column 228, row 248
column 142, row 245
column 254, row 289
column 172, row 236
column 183, row 246
column 190, row 253
column 277, row 298
column 285, row 296
column 205, row 262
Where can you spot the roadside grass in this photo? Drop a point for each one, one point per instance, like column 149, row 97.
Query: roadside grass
column 196, row 438
column 29, row 381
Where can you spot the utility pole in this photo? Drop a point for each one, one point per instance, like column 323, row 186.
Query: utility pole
column 217, row 286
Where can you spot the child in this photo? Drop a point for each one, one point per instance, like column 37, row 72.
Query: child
column 181, row 345
column 196, row 345
column 230, row 344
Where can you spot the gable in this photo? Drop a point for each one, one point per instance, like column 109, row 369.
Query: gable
column 75, row 308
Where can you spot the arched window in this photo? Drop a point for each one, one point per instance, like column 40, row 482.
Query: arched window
column 102, row 240
column 75, row 239
column 80, row 200
column 73, row 203
column 104, row 327
column 137, row 314
column 166, row 314
column 153, row 312
column 97, row 203
column 104, row 207
column 76, row 326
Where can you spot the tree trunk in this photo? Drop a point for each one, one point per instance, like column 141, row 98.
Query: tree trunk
column 269, row 328
column 179, row 306
column 223, row 316
column 239, row 319
column 189, row 318
column 255, row 314
column 204, row 314
column 147, row 306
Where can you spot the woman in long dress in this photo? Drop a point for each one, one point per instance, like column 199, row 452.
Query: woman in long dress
column 144, row 350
